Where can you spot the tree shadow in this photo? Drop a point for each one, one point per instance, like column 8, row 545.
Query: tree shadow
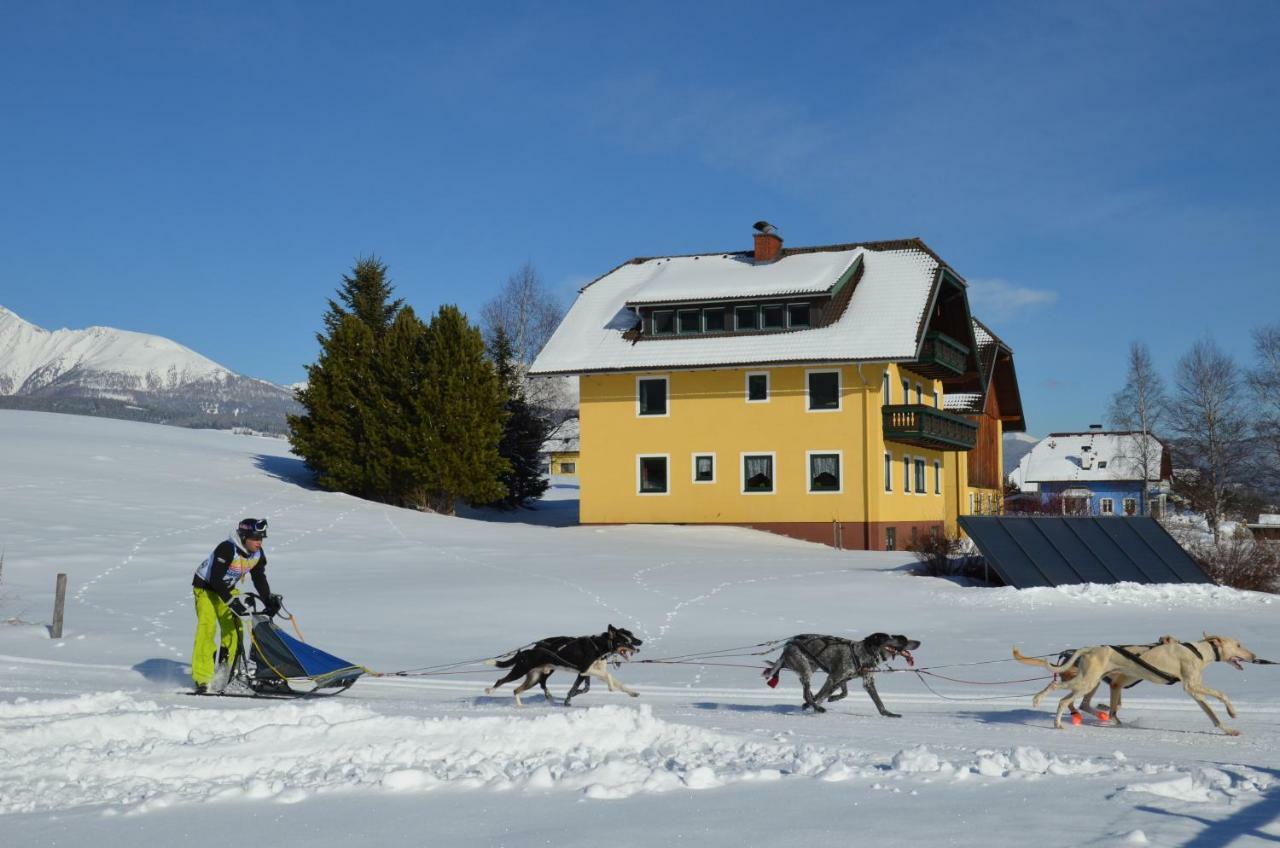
column 166, row 671
column 1245, row 822
column 286, row 468
column 560, row 509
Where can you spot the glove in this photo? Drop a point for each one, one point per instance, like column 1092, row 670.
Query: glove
column 272, row 605
column 237, row 607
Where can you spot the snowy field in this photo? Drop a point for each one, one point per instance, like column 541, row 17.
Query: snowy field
column 100, row 745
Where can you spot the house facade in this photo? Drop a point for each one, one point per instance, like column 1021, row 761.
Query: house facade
column 1096, row 472
column 561, row 453
column 834, row 393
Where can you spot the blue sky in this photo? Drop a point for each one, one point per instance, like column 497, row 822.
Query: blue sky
column 1098, row 172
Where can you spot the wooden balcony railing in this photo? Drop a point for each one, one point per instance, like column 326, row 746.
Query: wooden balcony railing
column 941, row 356
column 927, row 427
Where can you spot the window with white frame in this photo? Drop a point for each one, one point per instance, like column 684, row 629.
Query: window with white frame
column 664, row 322
column 971, row 504
column 689, row 321
column 746, row 317
column 568, row 468
column 651, row 396
column 906, row 474
column 704, row 468
column 651, row 472
column 888, row 472
column 1107, row 506
column 920, row 487
column 758, row 387
column 757, row 473
column 823, row 391
column 937, row 477
column 824, row 471
column 886, row 400
column 906, row 390
column 798, row 315
column 1130, row 506
column 773, row 316
column 713, row 319
column 919, row 395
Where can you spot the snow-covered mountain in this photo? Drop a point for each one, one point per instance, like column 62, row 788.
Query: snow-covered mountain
column 1016, row 446
column 122, row 374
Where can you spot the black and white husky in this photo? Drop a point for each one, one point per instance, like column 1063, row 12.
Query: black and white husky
column 587, row 655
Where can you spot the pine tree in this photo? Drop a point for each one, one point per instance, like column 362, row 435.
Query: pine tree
column 463, row 405
column 404, row 446
column 339, row 435
column 524, row 432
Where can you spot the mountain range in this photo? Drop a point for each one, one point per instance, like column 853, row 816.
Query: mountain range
column 122, row 374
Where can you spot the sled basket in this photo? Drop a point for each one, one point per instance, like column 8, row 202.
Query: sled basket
column 278, row 656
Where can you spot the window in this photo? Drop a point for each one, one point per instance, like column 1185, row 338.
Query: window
column 1102, row 463
column 713, row 320
column 652, row 474
column 689, row 321
column 772, row 317
column 1107, row 506
column 906, row 391
column 824, row 391
column 758, row 387
column 971, row 502
column 568, row 468
column 1130, row 506
column 757, row 473
column 920, row 487
column 704, row 468
column 937, row 401
column 746, row 318
column 664, row 323
column 919, row 395
column 937, row 477
column 651, row 395
column 890, row 538
column 888, row 472
column 906, row 474
column 798, row 315
column 824, row 471
column 884, row 389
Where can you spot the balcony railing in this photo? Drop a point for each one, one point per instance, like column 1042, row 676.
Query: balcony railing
column 927, row 427
column 941, row 356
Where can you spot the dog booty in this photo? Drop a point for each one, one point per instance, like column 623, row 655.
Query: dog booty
column 773, row 682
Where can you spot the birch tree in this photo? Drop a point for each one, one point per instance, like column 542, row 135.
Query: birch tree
column 1140, row 407
column 1264, row 381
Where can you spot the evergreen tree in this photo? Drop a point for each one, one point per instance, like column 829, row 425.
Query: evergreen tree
column 339, row 434
column 463, row 406
column 524, row 432
column 403, row 449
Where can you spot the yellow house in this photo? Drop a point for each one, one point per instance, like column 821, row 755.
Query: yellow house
column 561, row 449
column 842, row 394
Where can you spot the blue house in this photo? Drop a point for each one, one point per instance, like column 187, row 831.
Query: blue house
column 1096, row 472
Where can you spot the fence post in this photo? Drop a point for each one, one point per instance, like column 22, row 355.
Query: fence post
column 60, row 598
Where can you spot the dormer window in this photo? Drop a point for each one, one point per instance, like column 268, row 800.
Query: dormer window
column 689, row 320
column 713, row 320
column 798, row 315
column 746, row 318
column 772, row 317
column 664, row 322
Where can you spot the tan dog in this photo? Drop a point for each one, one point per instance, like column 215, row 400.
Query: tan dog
column 1166, row 663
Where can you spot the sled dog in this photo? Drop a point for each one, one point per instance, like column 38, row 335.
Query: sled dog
column 586, row 655
column 842, row 660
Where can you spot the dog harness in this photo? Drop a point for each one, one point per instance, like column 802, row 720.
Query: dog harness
column 1169, row 679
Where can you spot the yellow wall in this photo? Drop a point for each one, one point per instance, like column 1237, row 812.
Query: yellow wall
column 707, row 412
column 558, row 460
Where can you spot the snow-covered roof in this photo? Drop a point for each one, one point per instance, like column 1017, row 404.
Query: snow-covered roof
column 690, row 279
column 564, row 438
column 963, row 402
column 880, row 323
column 1091, row 456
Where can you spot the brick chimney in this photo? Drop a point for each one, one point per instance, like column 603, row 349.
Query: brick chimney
column 768, row 242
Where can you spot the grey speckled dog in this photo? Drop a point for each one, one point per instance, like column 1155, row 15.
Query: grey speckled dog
column 842, row 660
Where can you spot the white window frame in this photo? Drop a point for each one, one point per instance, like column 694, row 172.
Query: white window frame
column 756, row 307
column 908, row 463
column 1124, row 506
column 808, row 471
column 742, row 471
column 680, row 332
column 906, row 391
column 885, row 389
column 920, row 474
column 839, row 389
column 653, row 323
column 971, row 498
column 693, row 473
column 777, row 329
column 768, row 386
column 643, row 456
column 937, row 476
column 888, row 471
column 808, row 310
column 1106, row 506
column 724, row 323
column 569, row 467
column 666, row 379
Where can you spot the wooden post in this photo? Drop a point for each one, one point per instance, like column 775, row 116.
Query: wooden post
column 60, row 598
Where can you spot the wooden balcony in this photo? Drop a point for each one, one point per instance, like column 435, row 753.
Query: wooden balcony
column 942, row 357
column 927, row 427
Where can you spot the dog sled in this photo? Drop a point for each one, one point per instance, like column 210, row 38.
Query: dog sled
column 280, row 665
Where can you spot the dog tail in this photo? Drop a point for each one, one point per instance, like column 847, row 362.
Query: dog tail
column 504, row 662
column 1020, row 657
column 770, row 674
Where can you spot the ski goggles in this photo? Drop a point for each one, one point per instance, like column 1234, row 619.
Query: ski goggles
column 252, row 528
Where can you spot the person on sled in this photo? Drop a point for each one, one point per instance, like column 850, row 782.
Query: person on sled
column 217, row 608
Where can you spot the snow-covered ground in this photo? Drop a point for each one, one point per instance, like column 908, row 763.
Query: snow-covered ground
column 99, row 744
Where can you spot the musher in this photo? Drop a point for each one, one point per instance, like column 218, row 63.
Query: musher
column 217, row 608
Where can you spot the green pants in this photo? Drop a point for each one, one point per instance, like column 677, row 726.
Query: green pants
column 212, row 614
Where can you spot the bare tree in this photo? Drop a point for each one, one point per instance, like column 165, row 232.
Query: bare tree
column 1140, row 407
column 526, row 310
column 1264, row 380
column 1209, row 416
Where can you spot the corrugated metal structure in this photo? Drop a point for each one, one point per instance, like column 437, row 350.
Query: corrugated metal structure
column 1028, row 551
